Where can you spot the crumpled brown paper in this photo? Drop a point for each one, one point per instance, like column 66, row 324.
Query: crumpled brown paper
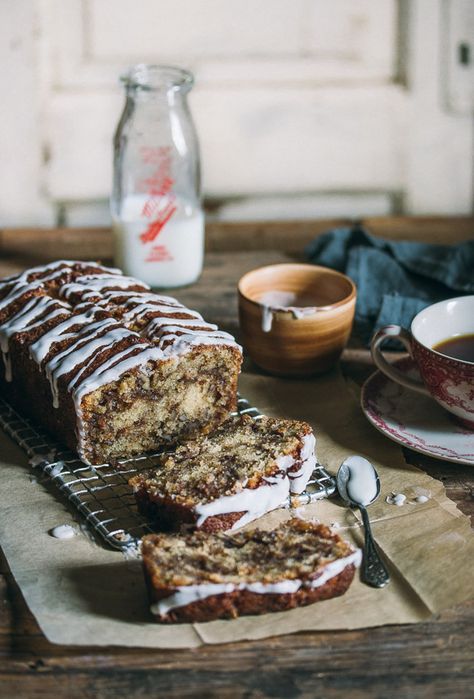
column 83, row 594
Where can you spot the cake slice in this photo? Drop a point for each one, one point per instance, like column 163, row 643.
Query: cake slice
column 201, row 577
column 224, row 480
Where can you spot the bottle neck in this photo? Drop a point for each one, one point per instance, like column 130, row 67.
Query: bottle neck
column 171, row 97
column 153, row 84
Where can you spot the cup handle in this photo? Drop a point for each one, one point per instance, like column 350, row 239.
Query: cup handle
column 398, row 333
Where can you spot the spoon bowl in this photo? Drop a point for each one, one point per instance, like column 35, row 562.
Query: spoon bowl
column 358, row 482
column 358, row 485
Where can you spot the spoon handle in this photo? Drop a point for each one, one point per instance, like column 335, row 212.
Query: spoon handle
column 373, row 571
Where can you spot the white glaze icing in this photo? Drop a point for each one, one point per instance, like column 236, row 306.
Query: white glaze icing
column 421, row 499
column 397, row 499
column 362, row 483
column 138, row 311
column 255, row 502
column 25, row 320
column 186, row 594
column 20, row 284
column 82, row 352
column 40, row 348
column 63, row 531
column 299, row 479
column 23, row 276
column 178, row 344
column 56, row 268
column 142, row 303
column 159, row 326
column 267, row 319
column 284, row 301
column 89, row 285
column 15, row 292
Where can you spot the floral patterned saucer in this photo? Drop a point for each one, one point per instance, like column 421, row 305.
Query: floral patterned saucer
column 414, row 420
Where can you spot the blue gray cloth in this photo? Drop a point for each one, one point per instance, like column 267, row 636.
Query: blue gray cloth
column 395, row 280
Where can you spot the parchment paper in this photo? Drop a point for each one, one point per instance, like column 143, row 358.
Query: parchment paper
column 83, row 594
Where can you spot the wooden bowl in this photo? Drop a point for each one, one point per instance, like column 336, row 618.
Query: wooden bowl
column 297, row 346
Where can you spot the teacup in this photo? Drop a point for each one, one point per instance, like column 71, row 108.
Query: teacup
column 448, row 380
column 295, row 318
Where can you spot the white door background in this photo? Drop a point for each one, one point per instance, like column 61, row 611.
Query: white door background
column 304, row 108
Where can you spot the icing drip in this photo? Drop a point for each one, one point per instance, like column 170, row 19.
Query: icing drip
column 16, row 292
column 40, row 348
column 299, row 478
column 31, row 311
column 397, row 499
column 186, row 594
column 88, row 344
column 255, row 502
column 284, row 301
column 63, row 531
column 109, row 371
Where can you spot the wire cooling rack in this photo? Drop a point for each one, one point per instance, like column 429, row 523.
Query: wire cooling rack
column 101, row 493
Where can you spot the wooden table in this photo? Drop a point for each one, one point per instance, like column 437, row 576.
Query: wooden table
column 433, row 659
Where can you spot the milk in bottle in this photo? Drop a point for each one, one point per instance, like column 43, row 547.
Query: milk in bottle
column 157, row 217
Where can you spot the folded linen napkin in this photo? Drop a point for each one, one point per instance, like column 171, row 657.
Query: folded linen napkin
column 395, row 280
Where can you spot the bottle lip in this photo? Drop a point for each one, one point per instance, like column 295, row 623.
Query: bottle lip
column 150, row 76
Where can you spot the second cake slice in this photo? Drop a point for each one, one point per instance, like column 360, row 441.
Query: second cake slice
column 247, row 467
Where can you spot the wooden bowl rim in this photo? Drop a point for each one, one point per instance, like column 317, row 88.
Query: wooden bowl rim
column 293, row 265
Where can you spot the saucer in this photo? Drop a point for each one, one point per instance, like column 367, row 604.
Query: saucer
column 414, row 420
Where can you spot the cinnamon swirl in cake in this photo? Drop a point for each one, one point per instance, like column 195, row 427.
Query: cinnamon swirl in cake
column 201, row 577
column 228, row 478
column 109, row 367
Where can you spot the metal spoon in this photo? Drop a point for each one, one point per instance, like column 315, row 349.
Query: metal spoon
column 359, row 485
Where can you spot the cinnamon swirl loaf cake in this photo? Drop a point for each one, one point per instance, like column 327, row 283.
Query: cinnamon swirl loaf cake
column 226, row 479
column 110, row 368
column 201, row 577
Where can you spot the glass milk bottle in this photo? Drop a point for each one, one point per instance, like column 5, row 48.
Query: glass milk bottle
column 157, row 217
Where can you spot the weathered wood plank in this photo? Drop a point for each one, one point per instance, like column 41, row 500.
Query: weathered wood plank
column 390, row 662
column 96, row 243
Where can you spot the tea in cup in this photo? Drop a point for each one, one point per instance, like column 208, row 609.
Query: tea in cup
column 295, row 319
column 441, row 343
